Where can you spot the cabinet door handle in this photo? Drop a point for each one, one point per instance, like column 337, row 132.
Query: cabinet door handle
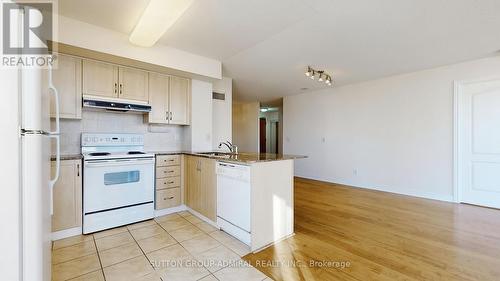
column 77, row 170
column 116, row 87
column 170, row 182
column 167, row 198
column 166, row 118
column 171, row 115
column 121, row 88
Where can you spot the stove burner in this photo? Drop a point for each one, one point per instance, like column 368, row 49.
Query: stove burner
column 99, row 153
column 135, row 152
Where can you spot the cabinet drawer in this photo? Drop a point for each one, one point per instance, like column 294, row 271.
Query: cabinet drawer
column 168, row 182
column 168, row 160
column 168, row 198
column 170, row 171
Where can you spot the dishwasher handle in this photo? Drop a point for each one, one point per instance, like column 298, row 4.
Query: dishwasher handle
column 234, row 171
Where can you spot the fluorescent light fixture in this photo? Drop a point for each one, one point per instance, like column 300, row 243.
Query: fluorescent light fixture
column 264, row 109
column 156, row 19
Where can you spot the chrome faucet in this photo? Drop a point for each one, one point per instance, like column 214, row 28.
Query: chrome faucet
column 232, row 148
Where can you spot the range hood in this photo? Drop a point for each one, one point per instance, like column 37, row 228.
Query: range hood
column 118, row 105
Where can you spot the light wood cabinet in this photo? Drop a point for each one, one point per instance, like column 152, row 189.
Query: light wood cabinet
column 169, row 99
column 133, row 84
column 208, row 190
column 192, row 183
column 158, row 98
column 111, row 81
column 168, row 198
column 179, row 101
column 168, row 181
column 201, row 186
column 67, row 196
column 100, row 79
column 67, row 78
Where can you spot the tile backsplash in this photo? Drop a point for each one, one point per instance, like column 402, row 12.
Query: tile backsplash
column 156, row 137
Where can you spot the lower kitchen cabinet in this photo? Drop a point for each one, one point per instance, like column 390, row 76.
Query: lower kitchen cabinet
column 168, row 198
column 201, row 186
column 67, row 196
column 168, row 181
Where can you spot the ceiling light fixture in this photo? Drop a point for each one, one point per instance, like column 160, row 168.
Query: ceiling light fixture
column 156, row 19
column 309, row 71
column 322, row 75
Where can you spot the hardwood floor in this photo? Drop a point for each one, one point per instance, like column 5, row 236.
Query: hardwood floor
column 383, row 236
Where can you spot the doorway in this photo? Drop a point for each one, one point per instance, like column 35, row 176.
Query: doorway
column 477, row 142
column 262, row 134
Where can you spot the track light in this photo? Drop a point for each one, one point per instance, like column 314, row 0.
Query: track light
column 322, row 75
column 309, row 71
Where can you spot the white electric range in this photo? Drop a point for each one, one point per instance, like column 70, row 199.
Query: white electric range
column 118, row 181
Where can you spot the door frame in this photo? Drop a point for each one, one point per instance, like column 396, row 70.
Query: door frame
column 457, row 132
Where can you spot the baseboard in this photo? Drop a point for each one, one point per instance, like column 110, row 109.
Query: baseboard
column 273, row 243
column 66, row 233
column 164, row 212
column 202, row 217
column 418, row 194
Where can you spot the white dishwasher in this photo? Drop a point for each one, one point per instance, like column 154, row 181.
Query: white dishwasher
column 233, row 200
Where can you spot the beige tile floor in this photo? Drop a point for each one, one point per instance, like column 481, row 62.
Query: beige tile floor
column 174, row 247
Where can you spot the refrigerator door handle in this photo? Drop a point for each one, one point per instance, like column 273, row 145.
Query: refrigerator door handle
column 55, row 135
column 53, row 90
column 56, row 175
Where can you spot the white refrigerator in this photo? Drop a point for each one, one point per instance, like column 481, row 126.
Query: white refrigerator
column 36, row 179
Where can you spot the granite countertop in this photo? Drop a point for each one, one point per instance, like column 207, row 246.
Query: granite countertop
column 243, row 157
column 250, row 158
column 68, row 157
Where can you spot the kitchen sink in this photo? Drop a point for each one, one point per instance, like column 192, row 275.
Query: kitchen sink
column 216, row 153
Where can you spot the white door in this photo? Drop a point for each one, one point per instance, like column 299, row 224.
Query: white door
column 478, row 142
column 36, row 204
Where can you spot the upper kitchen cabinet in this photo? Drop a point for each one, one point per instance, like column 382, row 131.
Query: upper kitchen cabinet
column 158, row 98
column 110, row 81
column 67, row 79
column 169, row 99
column 100, row 79
column 133, row 84
column 179, row 100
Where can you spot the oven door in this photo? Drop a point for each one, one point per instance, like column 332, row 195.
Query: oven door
column 117, row 183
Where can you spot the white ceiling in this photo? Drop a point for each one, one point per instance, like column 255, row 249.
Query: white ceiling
column 265, row 45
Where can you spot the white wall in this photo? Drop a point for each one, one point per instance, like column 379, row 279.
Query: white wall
column 198, row 136
column 222, row 112
column 96, row 38
column 246, row 126
column 9, row 167
column 393, row 134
